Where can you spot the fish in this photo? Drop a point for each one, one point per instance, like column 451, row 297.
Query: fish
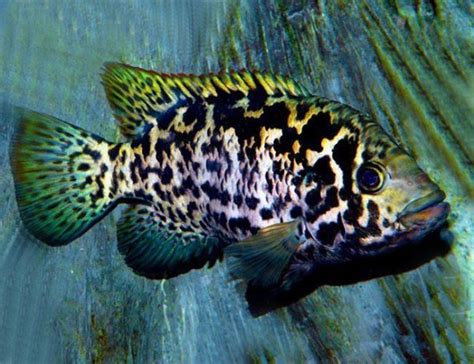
column 246, row 166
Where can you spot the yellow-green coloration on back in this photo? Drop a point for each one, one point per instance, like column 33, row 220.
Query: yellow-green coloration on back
column 243, row 164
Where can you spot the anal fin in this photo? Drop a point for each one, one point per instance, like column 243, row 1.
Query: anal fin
column 152, row 250
column 262, row 258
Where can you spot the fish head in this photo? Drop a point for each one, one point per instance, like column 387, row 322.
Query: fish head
column 393, row 200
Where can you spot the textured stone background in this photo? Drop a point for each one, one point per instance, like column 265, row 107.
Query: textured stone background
column 408, row 63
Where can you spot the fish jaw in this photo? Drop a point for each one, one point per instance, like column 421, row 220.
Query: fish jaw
column 424, row 214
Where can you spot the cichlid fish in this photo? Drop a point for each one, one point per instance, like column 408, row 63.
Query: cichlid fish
column 246, row 165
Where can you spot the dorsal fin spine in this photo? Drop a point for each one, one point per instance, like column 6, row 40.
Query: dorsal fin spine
column 182, row 87
column 209, row 86
column 243, row 86
column 262, row 80
column 225, row 78
column 189, row 83
column 249, row 80
column 217, row 81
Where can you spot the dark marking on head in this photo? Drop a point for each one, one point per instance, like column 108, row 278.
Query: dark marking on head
column 354, row 210
column 302, row 109
column 374, row 213
column 327, row 233
column 317, row 128
column 323, row 171
column 344, row 155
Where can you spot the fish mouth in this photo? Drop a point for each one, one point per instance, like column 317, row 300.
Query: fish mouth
column 428, row 211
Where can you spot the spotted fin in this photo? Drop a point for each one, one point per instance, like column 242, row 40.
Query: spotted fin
column 138, row 97
column 262, row 258
column 60, row 177
column 153, row 251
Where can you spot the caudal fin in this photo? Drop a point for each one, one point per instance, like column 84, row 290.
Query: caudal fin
column 62, row 177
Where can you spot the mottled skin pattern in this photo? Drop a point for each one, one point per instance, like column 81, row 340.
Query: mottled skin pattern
column 232, row 165
column 227, row 164
column 215, row 160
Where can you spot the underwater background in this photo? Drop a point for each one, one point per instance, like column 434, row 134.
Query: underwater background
column 407, row 63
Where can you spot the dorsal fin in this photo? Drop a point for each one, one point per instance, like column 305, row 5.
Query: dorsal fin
column 139, row 96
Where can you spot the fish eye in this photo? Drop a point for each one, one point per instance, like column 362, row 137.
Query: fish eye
column 370, row 177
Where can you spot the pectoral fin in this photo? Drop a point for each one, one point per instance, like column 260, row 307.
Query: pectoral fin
column 262, row 258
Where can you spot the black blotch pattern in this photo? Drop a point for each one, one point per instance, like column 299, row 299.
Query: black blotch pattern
column 213, row 166
column 266, row 213
column 344, row 155
column 323, row 172
column 252, row 202
column 354, row 210
column 145, row 143
column 83, row 167
column 295, row 212
column 223, row 220
column 372, row 226
column 238, row 200
column 274, row 116
column 103, row 169
column 167, row 175
column 211, row 191
column 313, row 198
column 317, row 128
column 239, row 223
column 327, row 233
column 301, row 109
column 113, row 152
column 93, row 153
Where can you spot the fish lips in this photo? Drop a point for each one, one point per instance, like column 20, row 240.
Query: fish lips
column 425, row 213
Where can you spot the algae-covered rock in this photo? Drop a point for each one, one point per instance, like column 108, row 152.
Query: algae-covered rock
column 408, row 63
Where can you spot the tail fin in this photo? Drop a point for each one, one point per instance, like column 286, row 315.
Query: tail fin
column 62, row 177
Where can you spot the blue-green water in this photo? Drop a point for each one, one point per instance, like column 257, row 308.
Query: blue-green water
column 408, row 65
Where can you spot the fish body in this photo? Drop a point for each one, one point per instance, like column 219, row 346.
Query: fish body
column 243, row 164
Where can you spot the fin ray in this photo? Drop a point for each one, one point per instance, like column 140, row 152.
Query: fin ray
column 262, row 258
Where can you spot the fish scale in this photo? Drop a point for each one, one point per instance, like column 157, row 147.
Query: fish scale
column 246, row 165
